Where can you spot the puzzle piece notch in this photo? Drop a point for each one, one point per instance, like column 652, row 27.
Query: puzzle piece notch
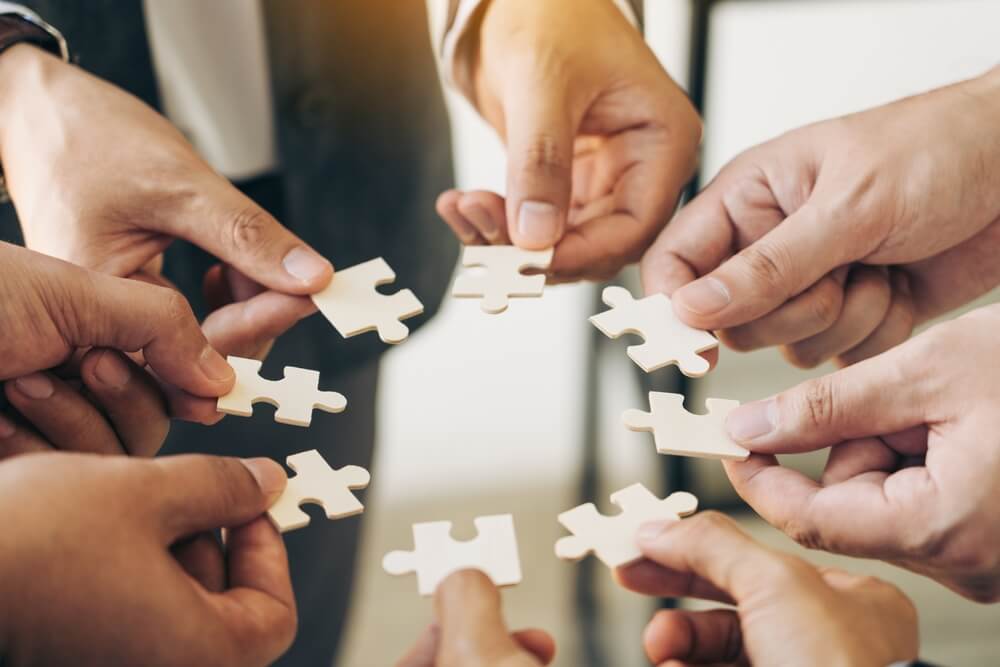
column 435, row 554
column 317, row 483
column 667, row 340
column 679, row 432
column 612, row 538
column 353, row 306
column 295, row 396
column 501, row 277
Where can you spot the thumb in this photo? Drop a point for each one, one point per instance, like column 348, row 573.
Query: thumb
column 197, row 493
column 239, row 232
column 879, row 396
column 472, row 628
column 710, row 547
column 539, row 131
column 778, row 266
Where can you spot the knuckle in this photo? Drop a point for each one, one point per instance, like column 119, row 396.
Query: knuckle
column 804, row 532
column 176, row 308
column 232, row 481
column 825, row 305
column 767, row 265
column 817, row 403
column 545, row 152
column 248, row 229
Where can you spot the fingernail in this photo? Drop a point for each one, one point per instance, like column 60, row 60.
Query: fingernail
column 270, row 476
column 305, row 265
column 651, row 531
column 214, row 366
column 705, row 296
column 538, row 223
column 7, row 428
column 111, row 370
column 752, row 420
column 35, row 386
column 483, row 221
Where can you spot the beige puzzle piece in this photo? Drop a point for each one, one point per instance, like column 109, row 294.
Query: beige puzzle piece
column 500, row 275
column 677, row 431
column 612, row 538
column 354, row 306
column 295, row 396
column 667, row 340
column 317, row 483
column 435, row 554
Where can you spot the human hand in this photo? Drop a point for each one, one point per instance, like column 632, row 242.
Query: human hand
column 103, row 403
column 60, row 316
column 470, row 630
column 914, row 457
column 119, row 543
column 788, row 611
column 836, row 239
column 101, row 180
column 600, row 140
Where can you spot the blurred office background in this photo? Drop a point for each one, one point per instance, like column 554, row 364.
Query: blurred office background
column 494, row 414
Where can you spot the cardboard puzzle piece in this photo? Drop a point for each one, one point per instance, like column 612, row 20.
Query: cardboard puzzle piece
column 612, row 538
column 667, row 339
column 501, row 277
column 295, row 396
column 354, row 306
column 317, row 483
column 677, row 431
column 435, row 554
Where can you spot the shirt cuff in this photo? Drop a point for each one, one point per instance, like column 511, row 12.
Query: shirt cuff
column 456, row 73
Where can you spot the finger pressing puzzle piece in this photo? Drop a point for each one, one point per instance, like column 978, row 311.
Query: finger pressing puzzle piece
column 501, row 277
column 667, row 339
column 316, row 482
column 295, row 396
column 354, row 306
column 435, row 554
column 612, row 538
column 677, row 431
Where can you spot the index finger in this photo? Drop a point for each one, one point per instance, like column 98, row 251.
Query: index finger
column 896, row 507
column 711, row 547
column 259, row 605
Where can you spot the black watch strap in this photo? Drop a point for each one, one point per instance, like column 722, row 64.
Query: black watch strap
column 15, row 29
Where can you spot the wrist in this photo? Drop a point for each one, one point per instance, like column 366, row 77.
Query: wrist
column 23, row 68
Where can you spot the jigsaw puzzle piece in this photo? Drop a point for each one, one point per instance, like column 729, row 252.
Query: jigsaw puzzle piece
column 435, row 554
column 679, row 432
column 667, row 340
column 317, row 483
column 500, row 277
column 353, row 306
column 295, row 396
column 612, row 538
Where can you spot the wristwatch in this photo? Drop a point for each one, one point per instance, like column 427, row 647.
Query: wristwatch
column 19, row 24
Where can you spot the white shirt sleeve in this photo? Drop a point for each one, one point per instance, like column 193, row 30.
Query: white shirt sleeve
column 466, row 10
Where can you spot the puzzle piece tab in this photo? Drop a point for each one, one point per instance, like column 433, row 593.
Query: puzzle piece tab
column 295, row 396
column 317, row 483
column 667, row 339
column 677, row 431
column 435, row 554
column 612, row 538
column 501, row 277
column 354, row 306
